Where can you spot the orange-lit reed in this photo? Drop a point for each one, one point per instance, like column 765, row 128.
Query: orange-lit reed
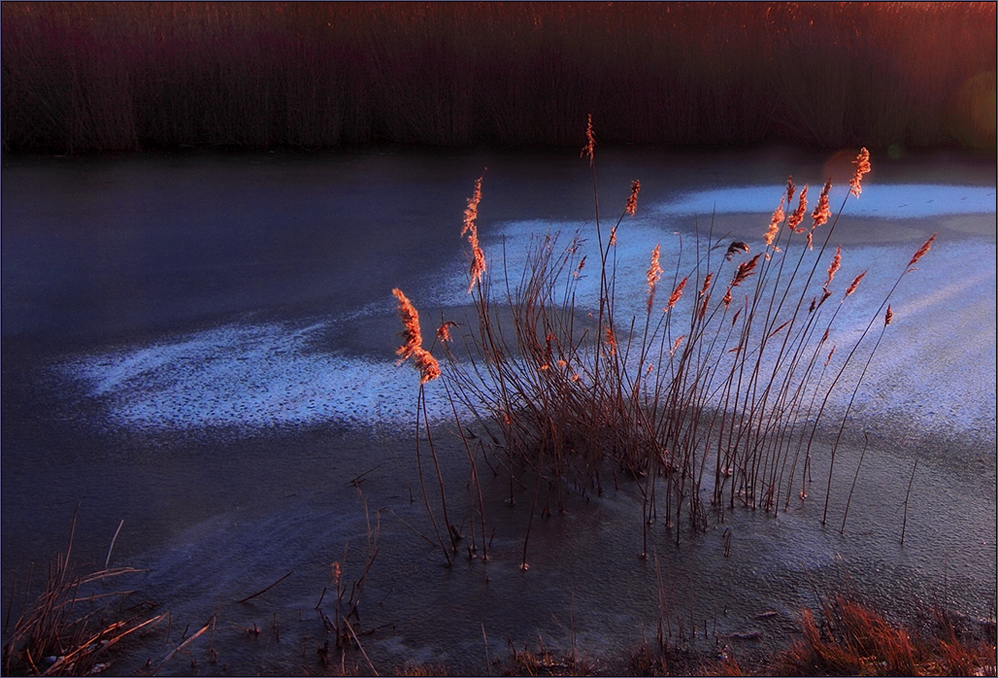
column 477, row 269
column 632, row 202
column 798, row 214
column 862, row 163
column 822, row 211
column 412, row 340
column 653, row 276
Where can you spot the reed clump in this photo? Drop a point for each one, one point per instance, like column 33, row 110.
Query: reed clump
column 709, row 399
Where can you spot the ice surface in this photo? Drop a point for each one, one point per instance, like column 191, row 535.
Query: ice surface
column 887, row 201
column 936, row 364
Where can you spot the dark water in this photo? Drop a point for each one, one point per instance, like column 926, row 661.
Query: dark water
column 202, row 347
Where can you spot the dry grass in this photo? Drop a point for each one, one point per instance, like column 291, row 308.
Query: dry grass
column 849, row 638
column 73, row 624
column 544, row 663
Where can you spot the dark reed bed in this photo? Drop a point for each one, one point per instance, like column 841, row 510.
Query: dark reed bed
column 79, row 77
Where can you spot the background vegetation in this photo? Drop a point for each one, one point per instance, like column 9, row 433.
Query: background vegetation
column 79, row 77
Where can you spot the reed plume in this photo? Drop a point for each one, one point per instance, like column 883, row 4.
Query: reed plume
column 589, row 149
column 677, row 293
column 822, row 211
column 611, row 340
column 632, row 202
column 654, row 274
column 443, row 332
column 744, row 271
column 736, row 247
column 798, row 215
column 855, row 283
column 675, row 346
column 921, row 252
column 774, row 225
column 706, row 284
column 862, row 163
column 412, row 340
column 888, row 316
column 470, row 227
column 412, row 337
column 833, row 267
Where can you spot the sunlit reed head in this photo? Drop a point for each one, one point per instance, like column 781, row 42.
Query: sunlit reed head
column 736, row 247
column 862, row 163
column 822, row 211
column 921, row 251
column 412, row 340
column 653, row 275
column 632, row 202
column 589, row 148
column 774, row 225
column 443, row 332
column 676, row 294
column 798, row 215
column 855, row 283
column 744, row 271
column 470, row 227
column 833, row 267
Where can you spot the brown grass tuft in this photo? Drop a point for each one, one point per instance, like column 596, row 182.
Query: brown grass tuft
column 70, row 628
column 555, row 388
column 850, row 638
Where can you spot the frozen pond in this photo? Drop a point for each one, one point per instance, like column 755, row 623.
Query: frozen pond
column 203, row 347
